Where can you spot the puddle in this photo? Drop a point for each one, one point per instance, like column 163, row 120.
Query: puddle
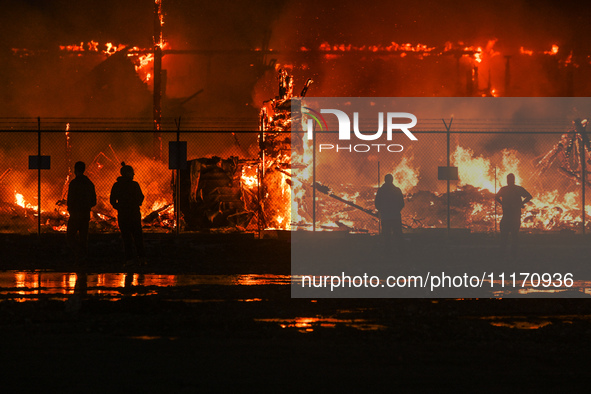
column 29, row 285
column 198, row 301
column 521, row 325
column 309, row 324
column 580, row 286
column 529, row 322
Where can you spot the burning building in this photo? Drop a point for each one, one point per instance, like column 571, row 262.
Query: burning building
column 162, row 65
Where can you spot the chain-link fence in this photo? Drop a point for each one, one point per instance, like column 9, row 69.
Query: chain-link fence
column 218, row 187
column 233, row 182
column 547, row 164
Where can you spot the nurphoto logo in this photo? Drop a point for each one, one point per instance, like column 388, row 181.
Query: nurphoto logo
column 392, row 125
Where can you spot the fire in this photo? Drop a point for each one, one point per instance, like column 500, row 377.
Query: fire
column 143, row 60
column 72, row 48
column 143, row 63
column 249, row 177
column 472, row 170
column 552, row 51
column 158, row 204
column 478, row 55
column 423, row 49
column 527, row 52
column 302, row 173
column 111, row 49
column 334, row 51
column 546, row 211
column 92, row 46
column 19, row 200
column 478, row 171
column 405, row 176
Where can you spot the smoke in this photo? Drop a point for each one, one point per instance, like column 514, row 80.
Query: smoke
column 50, row 84
column 509, row 25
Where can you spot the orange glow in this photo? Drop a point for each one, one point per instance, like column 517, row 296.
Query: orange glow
column 527, row 52
column 521, row 325
column 143, row 63
column 545, row 211
column 393, row 47
column 552, row 51
column 158, row 204
column 61, row 228
column 93, row 46
column 478, row 55
column 405, row 176
column 249, row 177
column 19, row 200
column 309, row 324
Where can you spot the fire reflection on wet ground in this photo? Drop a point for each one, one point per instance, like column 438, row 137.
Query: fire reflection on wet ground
column 255, row 289
column 309, row 324
column 29, row 286
column 532, row 322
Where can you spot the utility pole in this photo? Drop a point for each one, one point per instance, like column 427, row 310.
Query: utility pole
column 157, row 113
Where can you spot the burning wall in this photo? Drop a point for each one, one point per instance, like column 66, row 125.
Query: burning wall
column 349, row 49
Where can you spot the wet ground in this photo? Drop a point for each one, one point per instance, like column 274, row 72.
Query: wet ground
column 215, row 314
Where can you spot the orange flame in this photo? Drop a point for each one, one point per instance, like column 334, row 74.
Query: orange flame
column 527, row 52
column 405, row 176
column 552, row 51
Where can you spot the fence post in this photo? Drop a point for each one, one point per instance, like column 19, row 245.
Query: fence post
column 583, row 160
column 39, row 176
column 495, row 200
column 260, row 176
column 313, row 181
column 379, row 220
column 580, row 129
column 177, row 210
column 448, row 128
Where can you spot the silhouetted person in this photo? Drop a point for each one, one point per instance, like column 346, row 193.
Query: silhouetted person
column 389, row 202
column 512, row 198
column 126, row 198
column 81, row 198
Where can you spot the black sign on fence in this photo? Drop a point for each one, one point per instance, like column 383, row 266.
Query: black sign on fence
column 447, row 173
column 177, row 155
column 39, row 162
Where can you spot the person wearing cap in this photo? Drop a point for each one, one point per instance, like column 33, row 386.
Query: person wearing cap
column 389, row 202
column 127, row 197
column 81, row 199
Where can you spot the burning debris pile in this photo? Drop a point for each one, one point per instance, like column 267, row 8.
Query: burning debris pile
column 288, row 183
column 214, row 195
column 572, row 152
column 473, row 205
